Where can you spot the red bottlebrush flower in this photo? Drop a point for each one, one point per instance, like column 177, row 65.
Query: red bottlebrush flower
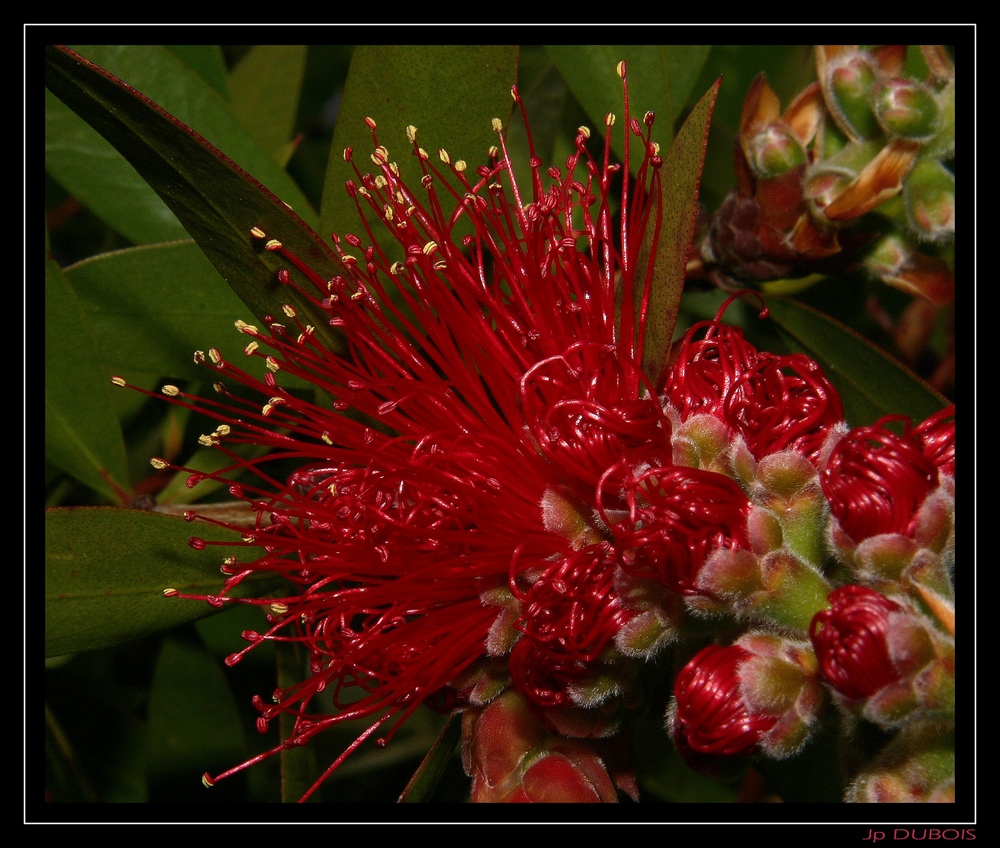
column 481, row 377
column 850, row 640
column 673, row 519
column 876, row 479
column 774, row 402
column 710, row 715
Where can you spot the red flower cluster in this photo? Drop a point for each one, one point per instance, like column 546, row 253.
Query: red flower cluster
column 495, row 482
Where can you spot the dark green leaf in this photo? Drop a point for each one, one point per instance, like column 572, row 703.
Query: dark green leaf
column 82, row 434
column 450, row 93
column 106, row 569
column 680, row 175
column 660, row 80
column 425, row 779
column 194, row 725
column 298, row 764
column 264, row 92
column 151, row 307
column 871, row 383
column 216, row 200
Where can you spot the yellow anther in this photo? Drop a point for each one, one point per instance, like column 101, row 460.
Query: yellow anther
column 497, row 124
column 460, row 165
column 223, row 430
column 380, row 156
column 257, row 232
column 358, row 295
column 272, row 364
column 326, row 438
column 249, row 329
column 387, row 212
column 609, row 120
column 411, row 133
column 214, row 355
column 199, row 357
column 288, row 309
column 429, row 248
column 397, row 268
column 381, row 181
column 371, row 123
column 118, row 381
column 272, row 244
column 206, row 781
column 207, row 441
column 422, row 153
column 279, row 608
column 170, row 593
column 251, row 348
column 444, row 156
column 620, row 69
column 158, row 463
column 170, row 391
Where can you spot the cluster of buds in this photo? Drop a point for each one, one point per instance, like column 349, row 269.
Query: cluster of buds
column 856, row 171
column 843, row 583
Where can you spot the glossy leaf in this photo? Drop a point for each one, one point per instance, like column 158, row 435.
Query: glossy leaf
column 106, row 569
column 217, row 201
column 82, row 435
column 871, row 383
column 680, row 176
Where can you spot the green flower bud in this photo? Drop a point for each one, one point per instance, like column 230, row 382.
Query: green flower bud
column 929, row 195
column 907, row 108
column 774, row 150
column 851, row 88
column 917, row 766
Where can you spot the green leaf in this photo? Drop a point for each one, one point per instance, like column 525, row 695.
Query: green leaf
column 264, row 91
column 106, row 569
column 871, row 383
column 151, row 307
column 216, row 200
column 299, row 768
column 680, row 175
column 660, row 77
column 193, row 722
column 82, row 434
column 450, row 93
column 428, row 775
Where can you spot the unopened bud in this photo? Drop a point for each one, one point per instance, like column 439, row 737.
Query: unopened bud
column 906, row 108
column 929, row 196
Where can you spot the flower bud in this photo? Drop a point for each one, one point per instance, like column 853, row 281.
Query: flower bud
column 774, row 150
column 917, row 766
column 511, row 757
column 883, row 659
column 929, row 196
column 759, row 695
column 907, row 108
column 850, row 88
